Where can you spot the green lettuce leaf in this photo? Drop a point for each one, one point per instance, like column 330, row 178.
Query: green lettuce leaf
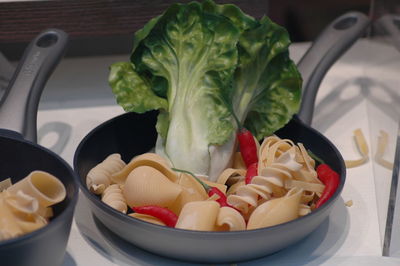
column 200, row 63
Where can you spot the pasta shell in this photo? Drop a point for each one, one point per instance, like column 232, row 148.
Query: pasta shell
column 230, row 219
column 150, row 159
column 198, row 215
column 148, row 186
column 276, row 211
column 191, row 191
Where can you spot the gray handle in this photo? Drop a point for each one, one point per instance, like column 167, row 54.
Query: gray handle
column 391, row 25
column 18, row 107
column 337, row 38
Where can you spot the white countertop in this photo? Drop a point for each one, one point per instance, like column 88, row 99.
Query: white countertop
column 78, row 97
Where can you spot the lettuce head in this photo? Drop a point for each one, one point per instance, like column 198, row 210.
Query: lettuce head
column 199, row 64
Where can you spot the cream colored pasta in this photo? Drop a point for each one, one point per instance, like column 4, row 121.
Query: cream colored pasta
column 25, row 205
column 46, row 188
column 277, row 161
column 304, row 209
column 229, row 219
column 380, row 151
column 231, row 175
column 147, row 218
column 148, row 159
column 99, row 177
column 192, row 190
column 6, row 183
column 113, row 197
column 198, row 215
column 313, row 187
column 276, row 211
column 362, row 148
column 146, row 185
column 8, row 225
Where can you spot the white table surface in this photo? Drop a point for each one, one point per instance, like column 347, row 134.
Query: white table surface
column 78, row 97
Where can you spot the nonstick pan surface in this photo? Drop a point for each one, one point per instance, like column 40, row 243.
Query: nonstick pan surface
column 132, row 134
column 20, row 154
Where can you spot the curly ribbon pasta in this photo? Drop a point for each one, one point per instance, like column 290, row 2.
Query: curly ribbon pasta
column 277, row 159
column 113, row 197
column 99, row 177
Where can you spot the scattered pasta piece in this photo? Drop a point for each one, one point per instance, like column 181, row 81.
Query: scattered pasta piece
column 362, row 148
column 349, row 203
column 380, row 151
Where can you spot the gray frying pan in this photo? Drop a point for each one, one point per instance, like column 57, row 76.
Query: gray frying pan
column 132, row 134
column 20, row 154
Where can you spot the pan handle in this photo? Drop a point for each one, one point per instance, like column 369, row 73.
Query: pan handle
column 391, row 25
column 18, row 107
column 336, row 38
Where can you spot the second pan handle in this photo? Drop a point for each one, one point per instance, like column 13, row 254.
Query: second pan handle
column 19, row 105
column 336, row 39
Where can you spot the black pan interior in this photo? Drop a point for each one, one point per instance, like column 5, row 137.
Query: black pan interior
column 19, row 157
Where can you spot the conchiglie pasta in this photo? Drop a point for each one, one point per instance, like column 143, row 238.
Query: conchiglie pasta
column 229, row 219
column 276, row 211
column 191, row 191
column 198, row 215
column 147, row 159
column 148, row 186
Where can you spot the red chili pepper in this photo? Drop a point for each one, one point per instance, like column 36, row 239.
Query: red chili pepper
column 251, row 172
column 164, row 214
column 248, row 147
column 209, row 189
column 331, row 181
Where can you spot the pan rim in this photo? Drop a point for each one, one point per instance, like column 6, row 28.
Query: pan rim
column 68, row 209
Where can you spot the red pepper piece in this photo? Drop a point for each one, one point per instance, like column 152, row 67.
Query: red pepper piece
column 331, row 181
column 251, row 172
column 248, row 147
column 222, row 197
column 164, row 214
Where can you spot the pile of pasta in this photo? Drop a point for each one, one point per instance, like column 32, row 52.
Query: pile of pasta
column 285, row 188
column 26, row 205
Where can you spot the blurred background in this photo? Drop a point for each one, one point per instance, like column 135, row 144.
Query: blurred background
column 106, row 26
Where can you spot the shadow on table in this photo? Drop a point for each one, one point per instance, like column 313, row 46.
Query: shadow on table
column 326, row 239
column 349, row 94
